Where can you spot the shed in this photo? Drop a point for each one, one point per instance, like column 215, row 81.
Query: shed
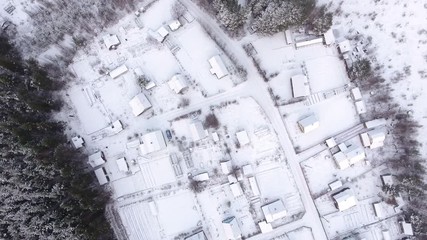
column 218, row 67
column 265, row 227
column 344, row 46
column 344, row 200
column 162, row 33
column 111, row 41
column 329, row 37
column 236, row 189
column 226, row 167
column 201, row 177
column 309, row 42
column 274, row 211
column 247, row 170
column 231, row 228
column 139, row 104
column 77, row 142
column 177, row 83
column 152, row 142
column 101, row 175
column 215, row 137
column 407, row 228
column 387, row 179
column 365, row 139
column 360, row 107
column 288, row 37
column 300, row 86
column 308, row 124
column 386, row 235
column 122, row 165
column 254, row 186
column 335, row 185
column 96, row 159
column 375, row 123
column 378, row 209
column 331, row 142
column 356, row 94
column 118, row 71
column 174, row 25
column 197, row 131
column 242, row 138
column 197, row 236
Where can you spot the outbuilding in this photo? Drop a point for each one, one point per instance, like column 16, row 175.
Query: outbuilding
column 344, row 200
column 197, row 131
column 300, row 86
column 356, row 94
column 162, row 33
column 77, row 142
column 139, row 104
column 218, row 67
column 101, row 175
column 274, row 211
column 122, row 165
column 152, row 142
column 174, row 25
column 265, row 227
column 407, row 228
column 118, row 71
column 111, row 41
column 242, row 138
column 309, row 123
column 177, row 83
column 360, row 107
column 96, row 159
column 236, row 189
column 344, row 46
column 231, row 228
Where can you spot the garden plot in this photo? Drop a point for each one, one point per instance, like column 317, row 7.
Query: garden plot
column 335, row 115
column 84, row 69
column 157, row 171
column 196, row 48
column 177, row 214
column 325, row 73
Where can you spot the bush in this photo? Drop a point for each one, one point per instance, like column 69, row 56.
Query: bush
column 211, row 121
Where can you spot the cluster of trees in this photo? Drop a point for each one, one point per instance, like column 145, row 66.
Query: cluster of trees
column 47, row 192
column 403, row 155
column 270, row 16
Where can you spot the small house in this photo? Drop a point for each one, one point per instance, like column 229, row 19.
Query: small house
column 344, row 200
column 387, row 179
column 236, row 189
column 407, row 229
column 247, row 170
column 122, row 165
column 300, row 86
column 111, row 41
column 360, row 107
column 335, row 185
column 117, row 72
column 101, row 175
column 378, row 209
column 139, row 104
column 197, row 131
column 329, row 37
column 344, row 46
column 77, row 142
column 242, row 138
column 152, row 142
column 274, row 211
column 356, row 94
column 265, row 227
column 226, row 167
column 375, row 123
column 231, row 229
column 308, row 124
column 174, row 25
column 177, row 83
column 162, row 33
column 96, row 159
column 218, row 67
column 201, row 177
column 331, row 142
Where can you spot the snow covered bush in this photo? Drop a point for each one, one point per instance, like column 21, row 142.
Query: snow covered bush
column 230, row 14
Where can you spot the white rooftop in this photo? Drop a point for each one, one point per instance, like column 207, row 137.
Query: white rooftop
column 122, row 165
column 247, row 170
column 344, row 46
column 265, row 227
column 331, row 142
column 218, row 67
column 335, row 185
column 96, row 159
column 162, row 33
column 344, row 200
column 329, row 37
column 378, row 208
column 377, row 137
column 174, row 25
column 273, row 211
column 139, row 104
column 226, row 167
column 300, row 86
column 375, row 123
column 118, row 71
column 387, row 179
column 236, row 189
column 242, row 137
column 360, row 107
column 77, row 142
column 309, row 123
column 197, row 131
column 356, row 94
column 111, row 41
column 177, row 83
column 407, row 229
column 201, row 177
column 254, row 186
column 231, row 228
column 152, row 142
column 101, row 176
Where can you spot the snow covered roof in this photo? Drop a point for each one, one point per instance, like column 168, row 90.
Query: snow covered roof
column 188, row 17
column 288, row 36
column 341, row 160
column 386, row 235
column 329, row 37
column 115, row 127
column 177, row 83
column 236, row 189
column 77, row 142
column 232, row 178
column 344, row 200
column 122, row 164
column 331, row 142
column 197, row 131
column 197, row 236
column 242, row 137
column 309, row 123
column 335, row 185
column 217, row 67
column 162, row 33
column 375, row 123
column 152, row 142
column 231, row 228
column 387, row 179
column 118, row 71
column 101, row 176
column 378, row 208
column 356, row 94
column 300, row 87
column 265, row 227
column 153, row 208
column 247, row 170
column 139, row 104
column 215, row 137
column 360, row 107
column 254, row 186
column 201, row 177
column 226, row 167
column 377, row 137
column 365, row 139
column 309, row 42
column 274, row 211
column 96, row 159
column 174, row 25
column 407, row 229
column 344, row 46
column 355, row 154
column 111, row 41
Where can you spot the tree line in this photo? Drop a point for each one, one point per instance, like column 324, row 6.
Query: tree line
column 47, row 191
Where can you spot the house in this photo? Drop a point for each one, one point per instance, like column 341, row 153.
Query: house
column 122, row 165
column 201, row 177
column 387, row 179
column 118, row 71
column 300, row 87
column 111, row 41
column 197, row 131
column 378, row 209
column 242, row 138
column 344, row 200
column 96, row 159
column 254, row 186
column 247, row 170
column 152, row 142
column 374, row 138
column 407, row 228
column 288, row 37
column 308, row 124
column 226, row 167
column 309, row 42
column 101, row 175
column 231, row 229
column 356, row 94
column 329, row 37
column 197, row 236
column 177, row 83
column 218, row 67
column 344, row 46
column 335, row 185
column 77, row 142
column 360, row 107
column 265, row 227
column 162, row 33
column 114, row 128
column 174, row 25
column 139, row 104
column 274, row 211
column 236, row 189
column 349, row 156
column 375, row 123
